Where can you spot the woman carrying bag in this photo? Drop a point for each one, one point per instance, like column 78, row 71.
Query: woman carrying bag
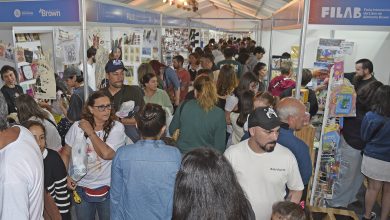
column 103, row 136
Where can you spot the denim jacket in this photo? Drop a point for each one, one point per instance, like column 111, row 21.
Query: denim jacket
column 142, row 180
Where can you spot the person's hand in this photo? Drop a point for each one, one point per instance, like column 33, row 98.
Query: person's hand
column 86, row 126
column 71, row 183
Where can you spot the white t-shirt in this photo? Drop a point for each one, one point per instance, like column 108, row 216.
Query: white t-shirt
column 231, row 102
column 264, row 176
column 91, row 69
column 98, row 169
column 21, row 179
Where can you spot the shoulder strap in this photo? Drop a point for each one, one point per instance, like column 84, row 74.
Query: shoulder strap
column 51, row 122
column 181, row 108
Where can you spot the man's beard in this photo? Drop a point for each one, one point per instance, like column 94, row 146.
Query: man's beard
column 270, row 149
column 357, row 78
column 94, row 60
column 117, row 85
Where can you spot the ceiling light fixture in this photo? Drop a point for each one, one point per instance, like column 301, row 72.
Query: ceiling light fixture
column 186, row 5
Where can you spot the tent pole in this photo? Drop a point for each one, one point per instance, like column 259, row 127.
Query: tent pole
column 84, row 47
column 302, row 44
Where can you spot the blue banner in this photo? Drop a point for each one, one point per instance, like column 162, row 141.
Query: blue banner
column 40, row 11
column 350, row 12
column 174, row 21
column 106, row 13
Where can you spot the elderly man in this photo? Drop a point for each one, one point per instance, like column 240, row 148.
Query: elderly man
column 264, row 167
column 292, row 113
column 21, row 180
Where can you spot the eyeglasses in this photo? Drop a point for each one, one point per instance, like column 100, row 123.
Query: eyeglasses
column 102, row 108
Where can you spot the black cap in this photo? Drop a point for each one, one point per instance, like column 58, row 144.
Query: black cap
column 265, row 118
column 114, row 65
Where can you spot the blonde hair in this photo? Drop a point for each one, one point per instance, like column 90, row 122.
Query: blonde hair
column 206, row 92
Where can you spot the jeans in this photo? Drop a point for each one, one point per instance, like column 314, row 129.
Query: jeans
column 87, row 210
column 350, row 178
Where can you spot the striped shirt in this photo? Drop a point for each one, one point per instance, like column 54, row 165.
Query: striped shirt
column 55, row 181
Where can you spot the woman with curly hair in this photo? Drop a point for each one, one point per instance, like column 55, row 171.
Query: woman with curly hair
column 201, row 122
column 103, row 136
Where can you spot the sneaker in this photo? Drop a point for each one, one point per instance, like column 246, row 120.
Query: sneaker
column 372, row 216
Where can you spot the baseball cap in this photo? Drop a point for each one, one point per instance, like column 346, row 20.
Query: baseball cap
column 114, row 65
column 264, row 117
column 71, row 71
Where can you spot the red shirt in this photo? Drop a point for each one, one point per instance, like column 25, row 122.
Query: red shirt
column 185, row 79
column 279, row 84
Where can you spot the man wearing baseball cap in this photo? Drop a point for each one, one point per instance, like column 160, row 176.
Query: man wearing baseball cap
column 120, row 93
column 264, row 168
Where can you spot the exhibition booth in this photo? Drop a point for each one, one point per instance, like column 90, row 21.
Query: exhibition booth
column 331, row 37
column 31, row 34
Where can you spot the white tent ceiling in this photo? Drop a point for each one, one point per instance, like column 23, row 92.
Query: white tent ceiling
column 235, row 15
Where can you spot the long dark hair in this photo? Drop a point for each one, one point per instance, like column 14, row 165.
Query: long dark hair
column 245, row 106
column 27, row 107
column 87, row 115
column 207, row 188
column 245, row 81
column 381, row 104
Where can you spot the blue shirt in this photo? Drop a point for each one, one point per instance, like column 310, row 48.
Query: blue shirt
column 375, row 132
column 171, row 78
column 142, row 180
column 300, row 151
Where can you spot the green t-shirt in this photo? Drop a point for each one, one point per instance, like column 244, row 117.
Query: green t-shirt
column 160, row 97
column 199, row 128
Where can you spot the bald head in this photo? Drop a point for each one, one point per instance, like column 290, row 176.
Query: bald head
column 292, row 112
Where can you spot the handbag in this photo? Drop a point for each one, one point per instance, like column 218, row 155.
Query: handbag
column 99, row 194
column 176, row 133
column 78, row 168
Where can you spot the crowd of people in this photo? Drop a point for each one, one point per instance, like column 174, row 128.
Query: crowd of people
column 207, row 140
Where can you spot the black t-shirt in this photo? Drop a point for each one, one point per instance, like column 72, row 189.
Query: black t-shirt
column 10, row 95
column 352, row 125
column 127, row 93
column 56, row 180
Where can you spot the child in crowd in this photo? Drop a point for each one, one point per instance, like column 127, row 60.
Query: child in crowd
column 287, row 210
column 55, row 175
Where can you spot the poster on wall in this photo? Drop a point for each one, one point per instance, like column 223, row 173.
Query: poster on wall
column 129, row 75
column 175, row 41
column 45, row 84
column 67, row 41
column 150, row 45
column 99, row 37
column 71, row 52
column 6, row 51
column 194, row 38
